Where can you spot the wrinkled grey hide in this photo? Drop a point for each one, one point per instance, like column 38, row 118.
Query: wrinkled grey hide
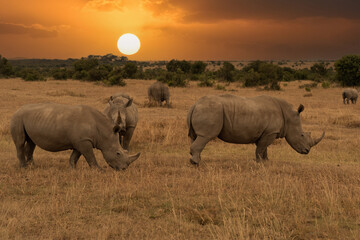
column 56, row 127
column 241, row 120
column 159, row 92
column 350, row 94
column 123, row 113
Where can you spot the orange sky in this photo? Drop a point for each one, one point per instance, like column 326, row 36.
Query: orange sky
column 186, row 29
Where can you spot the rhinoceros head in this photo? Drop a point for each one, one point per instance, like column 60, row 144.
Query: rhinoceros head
column 117, row 112
column 115, row 156
column 299, row 140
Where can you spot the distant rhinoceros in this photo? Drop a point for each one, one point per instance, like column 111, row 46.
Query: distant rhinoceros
column 123, row 113
column 241, row 120
column 159, row 92
column 350, row 94
column 56, row 127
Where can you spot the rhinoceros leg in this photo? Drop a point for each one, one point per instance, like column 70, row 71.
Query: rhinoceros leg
column 86, row 149
column 127, row 137
column 261, row 146
column 196, row 148
column 75, row 155
column 29, row 151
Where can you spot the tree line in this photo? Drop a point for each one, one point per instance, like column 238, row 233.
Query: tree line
column 112, row 70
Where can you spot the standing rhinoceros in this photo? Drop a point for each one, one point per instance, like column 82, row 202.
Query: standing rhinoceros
column 350, row 94
column 241, row 120
column 56, row 127
column 123, row 113
column 159, row 92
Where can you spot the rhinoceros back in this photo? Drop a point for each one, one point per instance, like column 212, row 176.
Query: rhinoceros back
column 55, row 127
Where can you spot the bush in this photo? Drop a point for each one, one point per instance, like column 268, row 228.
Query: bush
column 172, row 79
column 115, row 80
column 85, row 64
column 325, row 84
column 198, row 67
column 32, row 75
column 348, row 70
column 130, row 70
column 60, row 74
column 319, row 68
column 205, row 81
column 80, row 75
column 220, row 87
column 174, row 65
column 260, row 73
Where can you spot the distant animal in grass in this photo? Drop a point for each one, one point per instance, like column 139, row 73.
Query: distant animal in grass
column 124, row 114
column 159, row 92
column 57, row 127
column 350, row 94
column 241, row 120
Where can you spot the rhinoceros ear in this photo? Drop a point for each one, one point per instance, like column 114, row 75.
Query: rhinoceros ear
column 301, row 108
column 116, row 129
column 128, row 104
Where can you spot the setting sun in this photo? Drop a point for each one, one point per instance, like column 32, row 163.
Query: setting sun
column 128, row 44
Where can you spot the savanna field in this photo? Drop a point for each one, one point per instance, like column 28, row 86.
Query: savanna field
column 162, row 196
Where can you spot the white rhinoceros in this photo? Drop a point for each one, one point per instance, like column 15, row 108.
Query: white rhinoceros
column 57, row 127
column 350, row 94
column 241, row 120
column 123, row 113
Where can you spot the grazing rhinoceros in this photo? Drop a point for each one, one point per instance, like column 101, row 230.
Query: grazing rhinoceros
column 350, row 94
column 241, row 120
column 56, row 127
column 159, row 92
column 123, row 113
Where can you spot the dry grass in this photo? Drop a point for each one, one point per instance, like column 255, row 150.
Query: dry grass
column 161, row 196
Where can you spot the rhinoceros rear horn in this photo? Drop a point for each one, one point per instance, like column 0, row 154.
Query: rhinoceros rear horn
column 301, row 108
column 316, row 141
column 133, row 158
column 128, row 104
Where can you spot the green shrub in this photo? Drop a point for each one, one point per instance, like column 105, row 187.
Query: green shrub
column 32, row 75
column 325, row 84
column 177, row 79
column 205, row 81
column 220, row 87
column 60, row 74
column 115, row 80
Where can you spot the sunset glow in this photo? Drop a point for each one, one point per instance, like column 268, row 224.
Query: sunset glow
column 188, row 29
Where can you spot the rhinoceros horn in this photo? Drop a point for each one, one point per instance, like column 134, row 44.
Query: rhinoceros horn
column 132, row 158
column 316, row 141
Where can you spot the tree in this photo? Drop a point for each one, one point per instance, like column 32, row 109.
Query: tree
column 226, row 72
column 348, row 70
column 6, row 68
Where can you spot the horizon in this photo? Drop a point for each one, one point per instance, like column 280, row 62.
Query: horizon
column 209, row 30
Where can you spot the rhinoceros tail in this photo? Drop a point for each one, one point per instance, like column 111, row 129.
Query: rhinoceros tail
column 191, row 133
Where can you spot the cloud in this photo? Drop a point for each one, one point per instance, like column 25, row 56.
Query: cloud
column 109, row 5
column 215, row 10
column 254, row 39
column 35, row 30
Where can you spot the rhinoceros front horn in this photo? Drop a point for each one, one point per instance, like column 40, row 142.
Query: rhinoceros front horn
column 316, row 141
column 133, row 158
